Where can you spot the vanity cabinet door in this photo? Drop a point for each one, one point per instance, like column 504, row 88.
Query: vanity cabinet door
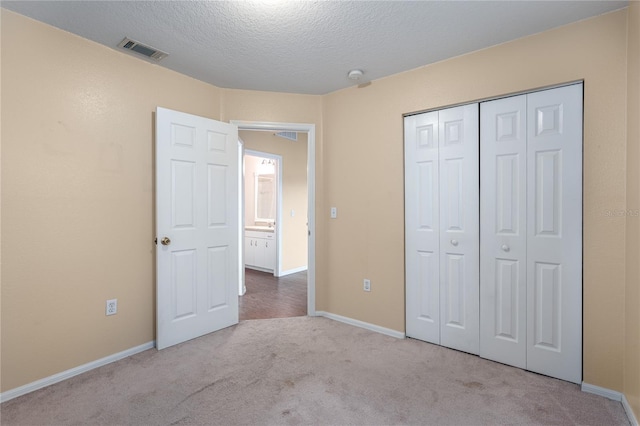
column 270, row 254
column 249, row 252
column 259, row 252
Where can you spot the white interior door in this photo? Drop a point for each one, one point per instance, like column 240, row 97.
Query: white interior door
column 422, row 227
column 503, row 215
column 197, row 221
column 554, row 232
column 459, row 228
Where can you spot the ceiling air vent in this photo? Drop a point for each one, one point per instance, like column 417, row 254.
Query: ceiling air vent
column 293, row 136
column 141, row 49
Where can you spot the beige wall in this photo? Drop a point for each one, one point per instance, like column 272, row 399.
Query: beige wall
column 363, row 154
column 294, row 192
column 632, row 292
column 77, row 196
column 77, row 191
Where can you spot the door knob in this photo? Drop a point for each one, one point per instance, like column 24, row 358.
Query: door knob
column 454, row 242
column 505, row 247
column 165, row 241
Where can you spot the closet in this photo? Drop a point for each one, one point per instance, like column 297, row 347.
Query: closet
column 523, row 305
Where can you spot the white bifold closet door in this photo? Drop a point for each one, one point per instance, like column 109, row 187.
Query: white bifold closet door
column 531, row 232
column 441, row 227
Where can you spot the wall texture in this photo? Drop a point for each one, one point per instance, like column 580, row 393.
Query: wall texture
column 363, row 154
column 77, row 196
column 294, row 192
column 632, row 291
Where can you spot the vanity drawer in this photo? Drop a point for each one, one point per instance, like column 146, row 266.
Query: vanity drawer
column 259, row 234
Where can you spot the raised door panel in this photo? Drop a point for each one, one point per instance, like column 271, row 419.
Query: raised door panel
column 554, row 232
column 422, row 225
column 183, row 201
column 184, row 285
column 218, row 265
column 503, row 146
column 459, row 228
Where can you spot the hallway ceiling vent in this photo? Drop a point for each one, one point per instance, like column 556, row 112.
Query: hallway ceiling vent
column 292, row 136
column 141, row 49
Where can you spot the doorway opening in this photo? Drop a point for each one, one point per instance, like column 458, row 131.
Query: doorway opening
column 278, row 256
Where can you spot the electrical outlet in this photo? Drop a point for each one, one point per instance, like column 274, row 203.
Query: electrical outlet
column 334, row 212
column 112, row 306
column 367, row 285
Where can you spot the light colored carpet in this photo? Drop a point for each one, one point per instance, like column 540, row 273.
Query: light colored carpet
column 309, row 371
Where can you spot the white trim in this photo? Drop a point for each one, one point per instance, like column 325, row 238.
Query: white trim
column 59, row 377
column 310, row 129
column 627, row 408
column 362, row 324
column 257, row 268
column 293, row 271
column 597, row 390
column 242, row 288
column 614, row 395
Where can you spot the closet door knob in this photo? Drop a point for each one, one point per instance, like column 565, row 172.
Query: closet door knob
column 505, row 247
column 454, row 242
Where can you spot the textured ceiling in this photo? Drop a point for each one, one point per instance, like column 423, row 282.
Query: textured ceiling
column 306, row 47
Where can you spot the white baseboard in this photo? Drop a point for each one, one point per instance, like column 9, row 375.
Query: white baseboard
column 292, row 271
column 59, row 377
column 597, row 390
column 627, row 408
column 361, row 324
column 614, row 395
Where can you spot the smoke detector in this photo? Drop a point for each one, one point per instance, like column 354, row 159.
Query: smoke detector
column 142, row 49
column 355, row 75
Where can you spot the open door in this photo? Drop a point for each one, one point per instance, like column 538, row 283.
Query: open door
column 197, row 219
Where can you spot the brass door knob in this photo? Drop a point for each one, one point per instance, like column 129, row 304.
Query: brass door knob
column 165, row 241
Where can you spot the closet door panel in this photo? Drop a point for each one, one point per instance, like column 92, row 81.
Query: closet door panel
column 554, row 232
column 459, row 227
column 503, row 147
column 422, row 227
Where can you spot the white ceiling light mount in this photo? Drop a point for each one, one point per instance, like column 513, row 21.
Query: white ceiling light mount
column 355, row 75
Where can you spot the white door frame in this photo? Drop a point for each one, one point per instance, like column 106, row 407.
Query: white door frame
column 310, row 129
column 278, row 158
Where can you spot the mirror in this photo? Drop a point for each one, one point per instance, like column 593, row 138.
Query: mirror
column 265, row 198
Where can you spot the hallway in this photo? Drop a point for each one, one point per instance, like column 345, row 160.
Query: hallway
column 271, row 297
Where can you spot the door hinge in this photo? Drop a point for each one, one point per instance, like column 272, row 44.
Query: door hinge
column 156, row 241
